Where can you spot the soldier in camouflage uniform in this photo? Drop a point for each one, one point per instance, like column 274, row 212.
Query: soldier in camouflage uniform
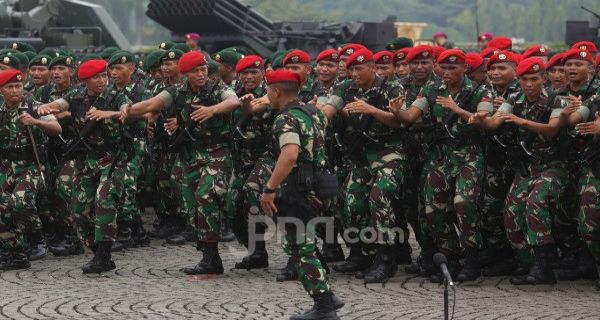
column 536, row 190
column 39, row 72
column 19, row 173
column 152, row 66
column 99, row 170
column 131, row 230
column 299, row 133
column 298, row 61
column 373, row 187
column 203, row 130
column 455, row 160
column 228, row 59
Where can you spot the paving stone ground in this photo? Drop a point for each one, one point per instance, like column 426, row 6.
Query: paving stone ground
column 147, row 284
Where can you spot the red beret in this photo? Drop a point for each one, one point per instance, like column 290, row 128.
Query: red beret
column 474, row 60
column 194, row 36
column 359, row 57
column 502, row 43
column 383, row 57
column 252, row 61
column 329, row 55
column 282, row 75
column 349, row 49
column 296, row 56
column 9, row 76
column 489, row 52
column 91, row 68
column 585, row 46
column 191, row 60
column 597, row 61
column 440, row 34
column 486, row 36
column 453, row 56
column 577, row 55
column 502, row 56
column 420, row 52
column 530, row 65
column 437, row 51
column 535, row 51
column 555, row 61
column 401, row 54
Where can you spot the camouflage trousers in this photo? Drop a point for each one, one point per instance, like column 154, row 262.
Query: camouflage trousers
column 372, row 195
column 19, row 183
column 413, row 202
column 530, row 206
column 454, row 180
column 497, row 181
column 132, row 181
column 54, row 203
column 589, row 214
column 97, row 195
column 243, row 196
column 169, row 176
column 564, row 229
column 204, row 191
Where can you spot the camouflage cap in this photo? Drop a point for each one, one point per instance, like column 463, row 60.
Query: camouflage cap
column 120, row 57
column 40, row 60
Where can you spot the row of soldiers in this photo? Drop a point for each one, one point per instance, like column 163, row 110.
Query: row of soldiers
column 477, row 152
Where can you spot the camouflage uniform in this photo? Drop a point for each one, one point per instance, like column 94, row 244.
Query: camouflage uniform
column 373, row 188
column 98, row 178
column 453, row 172
column 308, row 90
column 207, row 162
column 533, row 199
column 294, row 126
column 19, row 176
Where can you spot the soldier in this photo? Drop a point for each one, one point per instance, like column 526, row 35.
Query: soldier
column 536, row 51
column 455, row 160
column 20, row 177
column 298, row 61
column 191, row 40
column 99, row 170
column 131, row 231
column 204, row 107
column 384, row 65
column 440, row 39
column 343, row 55
column 39, row 71
column 227, row 60
column 372, row 190
column 476, row 69
column 484, row 39
column 500, row 43
column 299, row 132
column 8, row 62
column 401, row 66
column 556, row 73
column 152, row 66
column 399, row 43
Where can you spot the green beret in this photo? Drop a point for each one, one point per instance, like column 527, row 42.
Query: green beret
column 108, row 52
column 152, row 60
column 171, row 54
column 30, row 55
column 227, row 56
column 121, row 57
column 64, row 52
column 40, row 60
column 181, row 46
column 213, row 67
column 62, row 61
column 399, row 43
column 22, row 47
column 49, row 52
column 20, row 56
column 90, row 56
column 277, row 59
column 242, row 51
column 10, row 61
column 166, row 45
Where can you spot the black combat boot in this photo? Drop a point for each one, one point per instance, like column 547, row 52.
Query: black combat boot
column 37, row 246
column 138, row 233
column 255, row 260
column 70, row 244
column 289, row 273
column 540, row 272
column 403, row 253
column 384, row 267
column 424, row 266
column 14, row 259
column 356, row 261
column 187, row 235
column 170, row 226
column 585, row 268
column 471, row 269
column 504, row 265
column 337, row 303
column 124, row 235
column 323, row 309
column 211, row 261
column 102, row 260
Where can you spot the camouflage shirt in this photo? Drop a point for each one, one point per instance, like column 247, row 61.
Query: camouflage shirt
column 136, row 92
column 13, row 134
column 308, row 90
column 512, row 88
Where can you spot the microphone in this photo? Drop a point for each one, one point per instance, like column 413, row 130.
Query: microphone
column 440, row 260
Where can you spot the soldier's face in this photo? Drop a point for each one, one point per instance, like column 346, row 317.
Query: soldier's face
column 577, row 70
column 251, row 78
column 192, row 44
column 342, row 71
column 421, row 68
column 225, row 69
column 452, row 73
column 402, row 68
column 501, row 74
column 326, row 71
column 12, row 92
column 385, row 71
column 362, row 74
column 40, row 75
column 169, row 68
column 121, row 73
column 557, row 77
column 97, row 83
column 301, row 69
column 61, row 75
column 532, row 84
column 156, row 74
column 478, row 75
column 197, row 77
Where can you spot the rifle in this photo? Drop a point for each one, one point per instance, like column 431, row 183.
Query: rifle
column 236, row 137
column 22, row 110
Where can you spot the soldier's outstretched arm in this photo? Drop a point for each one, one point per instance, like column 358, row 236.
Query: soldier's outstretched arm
column 138, row 110
column 406, row 116
column 228, row 105
column 483, row 120
column 549, row 129
column 53, row 107
column 48, row 123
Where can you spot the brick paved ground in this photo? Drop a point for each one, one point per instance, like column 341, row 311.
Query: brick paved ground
column 148, row 285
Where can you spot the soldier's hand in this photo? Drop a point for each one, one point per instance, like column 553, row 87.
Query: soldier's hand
column 498, row 101
column 360, row 106
column 267, row 203
column 27, row 120
column 477, row 118
column 125, row 113
column 589, row 128
column 259, row 102
column 396, row 104
column 247, row 98
column 574, row 102
column 151, row 128
column 511, row 118
column 97, row 115
column 446, row 103
column 313, row 100
column 203, row 114
column 171, row 125
column 45, row 110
